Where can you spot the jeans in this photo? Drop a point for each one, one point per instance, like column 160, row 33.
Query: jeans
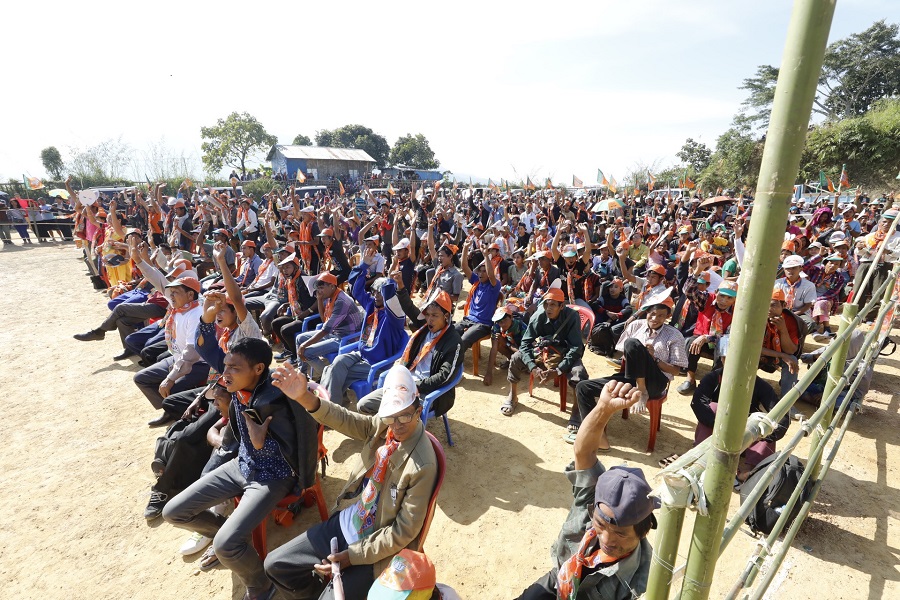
column 340, row 374
column 149, row 378
column 142, row 338
column 267, row 309
column 470, row 332
column 290, row 567
column 129, row 297
column 128, row 318
column 316, row 352
column 231, row 536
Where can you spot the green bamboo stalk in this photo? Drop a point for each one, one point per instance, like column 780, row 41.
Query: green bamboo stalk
column 794, row 94
column 665, row 546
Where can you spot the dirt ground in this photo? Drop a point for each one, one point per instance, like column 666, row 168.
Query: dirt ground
column 76, row 472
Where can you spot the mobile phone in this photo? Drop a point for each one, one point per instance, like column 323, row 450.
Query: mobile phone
column 253, row 416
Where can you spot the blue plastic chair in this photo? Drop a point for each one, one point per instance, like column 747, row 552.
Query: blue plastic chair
column 428, row 411
column 309, row 321
column 346, row 342
column 361, row 388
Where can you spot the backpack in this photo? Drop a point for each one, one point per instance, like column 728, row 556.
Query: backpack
column 768, row 509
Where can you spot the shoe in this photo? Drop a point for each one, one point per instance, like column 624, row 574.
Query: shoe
column 686, row 388
column 155, row 506
column 283, row 355
column 570, row 437
column 808, row 358
column 94, row 335
column 163, row 419
column 617, row 363
column 158, row 467
column 194, row 544
column 796, row 415
column 821, row 337
column 125, row 354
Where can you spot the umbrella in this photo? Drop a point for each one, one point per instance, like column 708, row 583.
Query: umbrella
column 59, row 193
column 607, row 205
column 716, row 201
column 3, row 194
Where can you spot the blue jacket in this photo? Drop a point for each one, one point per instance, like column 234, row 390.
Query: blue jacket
column 390, row 335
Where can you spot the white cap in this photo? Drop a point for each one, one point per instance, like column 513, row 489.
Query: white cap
column 792, row 261
column 308, row 209
column 837, row 236
column 402, row 244
column 399, row 391
column 654, row 229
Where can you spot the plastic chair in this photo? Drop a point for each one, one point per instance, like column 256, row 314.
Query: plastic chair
column 432, row 503
column 363, row 387
column 654, row 406
column 290, row 505
column 560, row 381
column 476, row 354
column 309, row 321
column 587, row 318
column 427, row 404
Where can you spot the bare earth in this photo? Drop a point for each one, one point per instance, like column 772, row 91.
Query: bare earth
column 76, row 472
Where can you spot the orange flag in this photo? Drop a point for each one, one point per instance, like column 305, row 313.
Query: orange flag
column 341, row 187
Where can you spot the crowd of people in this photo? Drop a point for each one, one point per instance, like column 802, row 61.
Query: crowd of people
column 257, row 321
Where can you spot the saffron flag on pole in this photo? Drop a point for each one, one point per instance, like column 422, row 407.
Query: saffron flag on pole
column 300, row 176
column 492, row 185
column 845, row 181
column 341, row 187
column 650, row 181
column 830, row 185
column 390, row 190
column 549, row 185
column 34, row 183
column 530, row 186
column 577, row 182
column 613, row 186
column 601, row 178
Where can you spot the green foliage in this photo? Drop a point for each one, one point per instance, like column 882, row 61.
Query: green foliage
column 52, row 161
column 356, row 136
column 415, row 151
column 302, row 140
column 869, row 145
column 232, row 141
column 107, row 163
column 857, row 72
column 261, row 187
column 736, row 161
column 695, row 154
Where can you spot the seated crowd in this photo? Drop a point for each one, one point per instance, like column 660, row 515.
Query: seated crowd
column 363, row 299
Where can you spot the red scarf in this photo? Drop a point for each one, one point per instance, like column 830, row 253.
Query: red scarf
column 772, row 339
column 170, row 320
column 568, row 579
column 423, row 351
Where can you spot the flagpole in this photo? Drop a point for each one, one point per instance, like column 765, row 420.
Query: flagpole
column 838, row 194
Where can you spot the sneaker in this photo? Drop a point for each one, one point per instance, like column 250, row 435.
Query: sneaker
column 94, row 335
column 155, row 506
column 570, row 437
column 687, row 387
column 194, row 544
column 284, row 355
column 808, row 358
column 158, row 466
column 796, row 415
column 822, row 337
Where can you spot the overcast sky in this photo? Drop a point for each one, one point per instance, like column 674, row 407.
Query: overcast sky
column 500, row 89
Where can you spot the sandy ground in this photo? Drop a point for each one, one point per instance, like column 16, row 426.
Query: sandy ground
column 76, row 472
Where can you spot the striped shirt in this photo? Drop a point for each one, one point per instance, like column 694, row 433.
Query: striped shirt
column 668, row 343
column 346, row 318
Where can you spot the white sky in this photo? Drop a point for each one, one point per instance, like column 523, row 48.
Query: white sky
column 500, row 89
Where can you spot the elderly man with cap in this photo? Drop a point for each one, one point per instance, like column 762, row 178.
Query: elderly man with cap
column 545, row 273
column 340, row 317
column 551, row 346
column 250, row 262
column 602, row 550
column 383, row 333
column 714, row 314
column 638, row 251
column 266, row 274
column 179, row 224
column 389, row 487
column 654, row 352
column 830, row 277
column 799, row 292
column 184, row 369
column 433, row 355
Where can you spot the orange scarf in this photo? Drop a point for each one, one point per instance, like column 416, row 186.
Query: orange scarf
column 262, row 269
column 568, row 579
column 292, row 294
column 363, row 517
column 327, row 309
column 423, row 351
column 471, row 295
column 327, row 263
column 772, row 339
column 305, row 232
column 434, row 280
column 371, row 328
column 170, row 320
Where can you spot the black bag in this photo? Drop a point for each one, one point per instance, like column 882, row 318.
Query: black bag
column 768, row 509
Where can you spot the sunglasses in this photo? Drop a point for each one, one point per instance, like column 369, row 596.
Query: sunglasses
column 401, row 419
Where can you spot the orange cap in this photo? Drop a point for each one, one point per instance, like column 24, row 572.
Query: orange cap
column 327, row 278
column 788, row 245
column 778, row 294
column 667, row 301
column 555, row 294
column 658, row 269
column 188, row 282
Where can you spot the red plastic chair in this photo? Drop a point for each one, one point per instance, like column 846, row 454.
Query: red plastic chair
column 476, row 354
column 587, row 318
column 432, row 503
column 283, row 513
column 654, row 407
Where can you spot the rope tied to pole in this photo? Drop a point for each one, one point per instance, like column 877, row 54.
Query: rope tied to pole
column 696, row 498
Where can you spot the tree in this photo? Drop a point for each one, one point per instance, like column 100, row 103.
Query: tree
column 695, row 154
column 356, row 136
column 414, row 150
column 107, row 163
column 857, row 71
column 53, row 161
column 736, row 161
column 302, row 140
column 233, row 140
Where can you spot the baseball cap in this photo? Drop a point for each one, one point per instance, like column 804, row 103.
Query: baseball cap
column 221, row 231
column 290, row 259
column 503, row 312
column 788, row 245
column 815, row 245
column 778, row 294
column 569, row 252
column 835, row 237
column 188, row 282
column 442, row 300
column 658, row 269
column 327, row 231
column 327, row 278
column 554, row 294
column 250, row 243
column 131, row 230
column 399, row 391
column 402, row 244
column 308, row 209
column 792, row 261
column 625, row 491
column 409, row 576
column 728, row 288
column 836, row 258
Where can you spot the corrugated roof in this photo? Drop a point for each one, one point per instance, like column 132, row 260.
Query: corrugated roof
column 321, row 153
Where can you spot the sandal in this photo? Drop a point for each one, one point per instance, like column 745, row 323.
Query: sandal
column 209, row 560
column 508, row 407
column 572, row 428
column 570, row 437
column 665, row 462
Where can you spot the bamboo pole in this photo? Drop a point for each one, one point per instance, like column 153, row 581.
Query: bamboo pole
column 801, row 65
column 665, row 546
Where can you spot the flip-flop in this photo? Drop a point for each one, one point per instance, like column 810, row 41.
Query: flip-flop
column 570, row 437
column 508, row 408
column 604, row 450
column 665, row 462
column 209, row 560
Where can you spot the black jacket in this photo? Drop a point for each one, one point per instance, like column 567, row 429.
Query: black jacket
column 444, row 364
column 292, row 427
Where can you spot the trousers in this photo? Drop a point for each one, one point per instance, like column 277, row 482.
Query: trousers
column 149, row 378
column 290, row 567
column 231, row 536
column 128, row 317
column 577, row 374
column 344, row 371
